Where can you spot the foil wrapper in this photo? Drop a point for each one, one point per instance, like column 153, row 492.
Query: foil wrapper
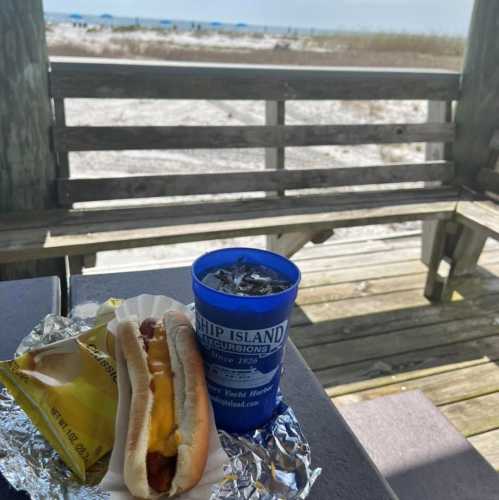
column 271, row 463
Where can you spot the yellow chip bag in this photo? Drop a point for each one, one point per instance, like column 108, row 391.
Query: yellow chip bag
column 68, row 389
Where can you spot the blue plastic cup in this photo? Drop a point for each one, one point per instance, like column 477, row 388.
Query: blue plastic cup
column 242, row 339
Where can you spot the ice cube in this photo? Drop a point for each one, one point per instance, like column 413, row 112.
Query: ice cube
column 242, row 278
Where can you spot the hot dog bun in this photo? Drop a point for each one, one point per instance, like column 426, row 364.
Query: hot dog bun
column 190, row 403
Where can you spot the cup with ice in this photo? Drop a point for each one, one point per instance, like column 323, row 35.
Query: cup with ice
column 244, row 298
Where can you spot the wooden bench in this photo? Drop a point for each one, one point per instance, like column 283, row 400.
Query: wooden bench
column 76, row 232
column 290, row 216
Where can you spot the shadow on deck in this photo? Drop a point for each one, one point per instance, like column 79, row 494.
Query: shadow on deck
column 366, row 330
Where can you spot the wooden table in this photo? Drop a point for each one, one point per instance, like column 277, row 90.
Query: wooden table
column 348, row 473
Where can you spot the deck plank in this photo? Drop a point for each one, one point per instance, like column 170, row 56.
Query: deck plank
column 488, row 445
column 363, row 326
column 474, row 416
column 442, row 388
column 387, row 307
column 320, row 357
column 383, row 322
column 359, row 273
column 360, row 267
column 334, row 248
column 411, row 365
column 342, row 262
column 352, row 289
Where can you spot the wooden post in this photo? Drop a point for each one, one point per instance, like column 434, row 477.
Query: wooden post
column 27, row 166
column 275, row 114
column 477, row 118
column 287, row 243
column 438, row 112
column 477, row 112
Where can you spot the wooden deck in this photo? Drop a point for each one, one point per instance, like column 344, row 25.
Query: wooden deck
column 366, row 330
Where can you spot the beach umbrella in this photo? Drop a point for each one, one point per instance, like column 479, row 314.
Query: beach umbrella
column 241, row 25
column 76, row 17
column 106, row 16
column 165, row 22
column 216, row 23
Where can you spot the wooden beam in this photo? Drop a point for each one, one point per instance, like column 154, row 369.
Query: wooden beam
column 222, row 81
column 477, row 112
column 112, row 188
column 254, row 136
column 27, row 166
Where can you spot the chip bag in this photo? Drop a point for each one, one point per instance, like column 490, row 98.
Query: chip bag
column 69, row 391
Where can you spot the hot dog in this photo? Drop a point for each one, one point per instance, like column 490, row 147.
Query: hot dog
column 168, row 430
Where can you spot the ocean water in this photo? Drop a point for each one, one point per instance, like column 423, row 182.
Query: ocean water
column 177, row 24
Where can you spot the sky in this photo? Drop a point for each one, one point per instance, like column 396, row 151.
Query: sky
column 427, row 16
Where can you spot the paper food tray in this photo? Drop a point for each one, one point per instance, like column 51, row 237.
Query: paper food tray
column 140, row 308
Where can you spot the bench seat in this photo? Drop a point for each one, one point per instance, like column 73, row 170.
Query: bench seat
column 25, row 236
column 482, row 215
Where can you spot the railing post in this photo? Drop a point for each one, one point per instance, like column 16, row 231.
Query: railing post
column 27, row 166
column 288, row 243
column 275, row 114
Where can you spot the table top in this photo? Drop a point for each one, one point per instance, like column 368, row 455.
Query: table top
column 23, row 304
column 347, row 471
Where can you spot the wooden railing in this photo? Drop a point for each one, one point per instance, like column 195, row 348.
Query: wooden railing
column 239, row 182
column 275, row 85
column 272, row 83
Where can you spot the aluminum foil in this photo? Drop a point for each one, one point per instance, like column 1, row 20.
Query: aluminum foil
column 272, row 463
